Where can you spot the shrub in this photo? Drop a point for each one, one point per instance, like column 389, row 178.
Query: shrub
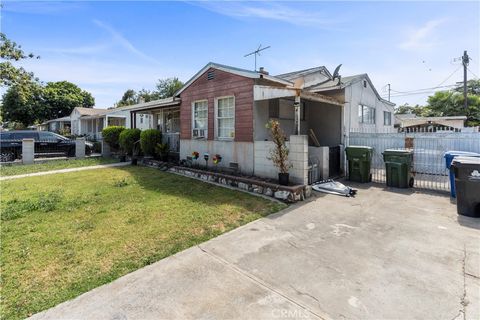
column 161, row 149
column 127, row 140
column 149, row 140
column 111, row 136
column 279, row 154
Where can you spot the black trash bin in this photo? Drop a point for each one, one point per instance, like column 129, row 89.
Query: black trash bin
column 467, row 185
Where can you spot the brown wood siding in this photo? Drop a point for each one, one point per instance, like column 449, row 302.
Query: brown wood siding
column 223, row 84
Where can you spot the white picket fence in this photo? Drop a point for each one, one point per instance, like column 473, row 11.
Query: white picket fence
column 428, row 148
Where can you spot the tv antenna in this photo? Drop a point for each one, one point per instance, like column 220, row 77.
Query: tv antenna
column 256, row 53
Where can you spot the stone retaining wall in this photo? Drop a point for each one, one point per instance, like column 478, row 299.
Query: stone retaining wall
column 284, row 193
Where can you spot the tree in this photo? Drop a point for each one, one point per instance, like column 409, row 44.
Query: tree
column 60, row 98
column 9, row 74
column 450, row 103
column 128, row 98
column 166, row 88
column 419, row 111
column 473, row 87
column 20, row 103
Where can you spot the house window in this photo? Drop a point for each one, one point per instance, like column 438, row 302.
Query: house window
column 387, row 118
column 366, row 114
column 225, row 118
column 200, row 119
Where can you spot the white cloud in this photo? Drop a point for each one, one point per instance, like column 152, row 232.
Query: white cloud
column 271, row 11
column 119, row 39
column 423, row 37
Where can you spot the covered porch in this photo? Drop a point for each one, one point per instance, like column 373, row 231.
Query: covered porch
column 91, row 126
column 165, row 118
column 313, row 124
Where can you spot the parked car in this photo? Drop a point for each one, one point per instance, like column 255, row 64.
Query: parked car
column 47, row 144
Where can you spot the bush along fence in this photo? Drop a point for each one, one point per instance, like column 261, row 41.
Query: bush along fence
column 429, row 165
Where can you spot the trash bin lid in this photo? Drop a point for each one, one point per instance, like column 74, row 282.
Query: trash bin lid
column 397, row 151
column 466, row 160
column 359, row 147
column 460, row 153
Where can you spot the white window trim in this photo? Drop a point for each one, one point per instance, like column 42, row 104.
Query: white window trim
column 362, row 122
column 388, row 125
column 216, row 119
column 193, row 120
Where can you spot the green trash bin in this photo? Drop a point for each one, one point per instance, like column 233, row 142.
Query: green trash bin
column 359, row 161
column 399, row 167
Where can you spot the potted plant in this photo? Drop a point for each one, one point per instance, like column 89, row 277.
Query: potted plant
column 279, row 154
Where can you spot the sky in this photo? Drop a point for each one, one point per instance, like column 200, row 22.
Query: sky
column 107, row 47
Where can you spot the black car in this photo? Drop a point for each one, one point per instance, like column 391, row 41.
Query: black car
column 47, row 144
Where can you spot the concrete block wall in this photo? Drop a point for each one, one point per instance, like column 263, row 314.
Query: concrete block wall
column 298, row 157
column 263, row 166
column 28, row 151
column 231, row 151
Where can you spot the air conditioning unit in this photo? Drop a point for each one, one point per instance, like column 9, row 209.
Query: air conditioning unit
column 199, row 133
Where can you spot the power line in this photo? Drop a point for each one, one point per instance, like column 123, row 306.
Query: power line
column 472, row 73
column 418, row 91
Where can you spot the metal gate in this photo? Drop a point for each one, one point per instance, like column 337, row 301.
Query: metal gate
column 428, row 153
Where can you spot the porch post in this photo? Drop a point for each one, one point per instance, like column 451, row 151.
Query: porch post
column 296, row 104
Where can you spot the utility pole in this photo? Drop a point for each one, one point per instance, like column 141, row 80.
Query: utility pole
column 389, row 92
column 465, row 61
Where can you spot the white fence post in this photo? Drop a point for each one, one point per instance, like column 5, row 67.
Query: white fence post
column 28, row 151
column 80, row 148
column 105, row 149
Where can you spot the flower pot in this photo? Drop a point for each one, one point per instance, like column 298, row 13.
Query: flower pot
column 283, row 179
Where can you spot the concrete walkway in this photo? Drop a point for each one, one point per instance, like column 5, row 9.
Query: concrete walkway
column 383, row 255
column 44, row 173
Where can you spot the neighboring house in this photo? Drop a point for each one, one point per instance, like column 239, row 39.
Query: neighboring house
column 412, row 122
column 59, row 125
column 78, row 127
column 90, row 122
column 365, row 110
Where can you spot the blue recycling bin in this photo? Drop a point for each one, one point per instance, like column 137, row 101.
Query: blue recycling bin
column 449, row 156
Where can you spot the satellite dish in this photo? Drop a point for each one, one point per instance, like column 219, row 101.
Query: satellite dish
column 335, row 73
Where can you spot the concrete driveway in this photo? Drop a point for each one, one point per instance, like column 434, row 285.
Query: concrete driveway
column 383, row 255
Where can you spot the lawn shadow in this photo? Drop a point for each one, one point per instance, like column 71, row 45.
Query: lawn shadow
column 201, row 192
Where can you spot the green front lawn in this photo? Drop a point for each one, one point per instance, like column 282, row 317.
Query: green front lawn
column 65, row 234
column 16, row 169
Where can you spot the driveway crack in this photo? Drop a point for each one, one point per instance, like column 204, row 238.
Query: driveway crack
column 303, row 293
column 463, row 300
column 265, row 285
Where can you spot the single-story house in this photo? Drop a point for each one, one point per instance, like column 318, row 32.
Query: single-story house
column 414, row 123
column 90, row 122
column 59, row 125
column 223, row 110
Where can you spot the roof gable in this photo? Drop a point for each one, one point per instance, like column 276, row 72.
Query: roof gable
column 233, row 70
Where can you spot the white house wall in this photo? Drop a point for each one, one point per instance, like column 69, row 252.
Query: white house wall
column 355, row 95
column 239, row 152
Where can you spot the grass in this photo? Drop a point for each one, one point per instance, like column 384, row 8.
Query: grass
column 16, row 169
column 65, row 234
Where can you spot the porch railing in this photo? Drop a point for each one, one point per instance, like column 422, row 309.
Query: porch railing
column 173, row 140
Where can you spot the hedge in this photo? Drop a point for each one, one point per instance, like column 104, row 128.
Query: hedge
column 111, row 136
column 149, row 139
column 127, row 139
